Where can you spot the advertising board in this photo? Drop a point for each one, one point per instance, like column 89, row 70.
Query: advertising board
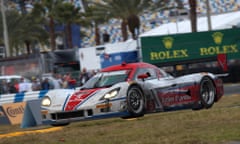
column 191, row 46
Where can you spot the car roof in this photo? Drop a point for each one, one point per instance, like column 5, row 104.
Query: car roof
column 126, row 66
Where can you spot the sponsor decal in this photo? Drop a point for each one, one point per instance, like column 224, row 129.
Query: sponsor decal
column 218, row 48
column 218, row 37
column 168, row 42
column 14, row 112
column 169, row 100
column 174, row 48
column 169, row 54
column 107, row 105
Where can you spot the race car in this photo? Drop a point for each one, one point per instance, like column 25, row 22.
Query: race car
column 130, row 90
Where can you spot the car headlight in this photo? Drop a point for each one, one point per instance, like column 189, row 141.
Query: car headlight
column 46, row 101
column 111, row 94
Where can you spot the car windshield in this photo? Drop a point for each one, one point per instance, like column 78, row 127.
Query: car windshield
column 106, row 79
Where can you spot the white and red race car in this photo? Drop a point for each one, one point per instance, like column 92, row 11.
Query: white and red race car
column 130, row 90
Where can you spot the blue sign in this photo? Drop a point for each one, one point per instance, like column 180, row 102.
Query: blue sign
column 118, row 58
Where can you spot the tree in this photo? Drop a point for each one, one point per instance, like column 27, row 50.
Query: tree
column 90, row 19
column 23, row 31
column 47, row 8
column 126, row 11
column 193, row 14
column 129, row 12
column 68, row 14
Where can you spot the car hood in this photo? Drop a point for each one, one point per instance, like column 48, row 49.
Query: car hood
column 68, row 100
column 78, row 97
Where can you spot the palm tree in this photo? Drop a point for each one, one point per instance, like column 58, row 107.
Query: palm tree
column 47, row 9
column 93, row 21
column 129, row 12
column 193, row 14
column 126, row 11
column 23, row 31
column 68, row 14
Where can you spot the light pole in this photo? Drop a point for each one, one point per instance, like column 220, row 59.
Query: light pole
column 209, row 15
column 5, row 30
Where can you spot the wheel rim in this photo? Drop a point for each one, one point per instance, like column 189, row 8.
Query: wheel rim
column 208, row 92
column 135, row 100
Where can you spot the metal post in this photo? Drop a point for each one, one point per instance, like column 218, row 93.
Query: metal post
column 209, row 15
column 5, row 29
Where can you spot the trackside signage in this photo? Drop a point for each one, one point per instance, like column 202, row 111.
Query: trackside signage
column 14, row 112
column 191, row 46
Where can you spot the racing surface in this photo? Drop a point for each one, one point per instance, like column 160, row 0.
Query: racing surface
column 231, row 90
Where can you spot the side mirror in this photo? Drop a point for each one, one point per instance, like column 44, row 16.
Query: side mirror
column 142, row 76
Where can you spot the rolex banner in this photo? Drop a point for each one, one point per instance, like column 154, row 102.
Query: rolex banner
column 191, row 46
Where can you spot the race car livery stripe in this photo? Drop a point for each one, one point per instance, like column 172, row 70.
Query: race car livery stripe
column 108, row 115
column 180, row 86
column 65, row 102
column 77, row 98
column 85, row 100
column 111, row 100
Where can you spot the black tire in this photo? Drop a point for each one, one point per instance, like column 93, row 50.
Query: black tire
column 207, row 92
column 135, row 101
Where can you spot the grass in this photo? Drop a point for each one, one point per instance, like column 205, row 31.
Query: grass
column 218, row 125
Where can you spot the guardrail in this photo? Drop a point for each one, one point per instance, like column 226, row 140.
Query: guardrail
column 21, row 97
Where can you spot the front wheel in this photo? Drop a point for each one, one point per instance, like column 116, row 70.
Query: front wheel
column 207, row 92
column 135, row 101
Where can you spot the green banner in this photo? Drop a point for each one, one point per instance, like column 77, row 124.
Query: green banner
column 191, row 46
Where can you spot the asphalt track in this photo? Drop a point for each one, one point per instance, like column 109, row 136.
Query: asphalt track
column 229, row 89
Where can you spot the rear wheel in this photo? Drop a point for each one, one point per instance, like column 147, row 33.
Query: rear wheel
column 135, row 101
column 207, row 92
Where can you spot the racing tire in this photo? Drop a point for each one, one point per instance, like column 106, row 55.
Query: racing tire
column 135, row 101
column 207, row 92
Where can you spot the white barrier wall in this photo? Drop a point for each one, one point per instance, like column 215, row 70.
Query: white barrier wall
column 21, row 97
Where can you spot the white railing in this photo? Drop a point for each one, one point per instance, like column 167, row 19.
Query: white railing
column 20, row 97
